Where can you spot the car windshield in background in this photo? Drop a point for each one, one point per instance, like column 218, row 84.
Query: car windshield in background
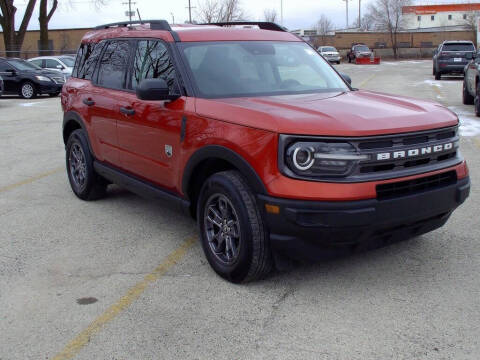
column 458, row 47
column 67, row 60
column 362, row 48
column 329, row 49
column 255, row 68
column 23, row 65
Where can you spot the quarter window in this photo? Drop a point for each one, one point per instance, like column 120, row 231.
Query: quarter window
column 152, row 61
column 113, row 64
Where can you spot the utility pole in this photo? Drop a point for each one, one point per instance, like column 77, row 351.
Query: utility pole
column 346, row 7
column 173, row 18
column 190, row 7
column 130, row 13
column 359, row 13
column 281, row 12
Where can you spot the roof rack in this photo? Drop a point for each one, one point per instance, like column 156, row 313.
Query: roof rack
column 154, row 24
column 264, row 25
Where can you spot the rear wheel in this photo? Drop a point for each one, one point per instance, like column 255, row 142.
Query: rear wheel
column 27, row 90
column 438, row 76
column 477, row 100
column 233, row 235
column 467, row 98
column 84, row 181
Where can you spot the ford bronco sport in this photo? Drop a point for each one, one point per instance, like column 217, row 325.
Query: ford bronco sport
column 254, row 134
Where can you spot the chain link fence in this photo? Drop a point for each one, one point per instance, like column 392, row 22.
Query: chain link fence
column 27, row 54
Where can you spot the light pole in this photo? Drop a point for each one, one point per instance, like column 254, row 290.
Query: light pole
column 359, row 13
column 281, row 12
column 346, row 8
column 173, row 18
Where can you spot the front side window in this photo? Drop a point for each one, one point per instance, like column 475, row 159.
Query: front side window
column 37, row 62
column 51, row 64
column 254, row 68
column 152, row 61
column 113, row 65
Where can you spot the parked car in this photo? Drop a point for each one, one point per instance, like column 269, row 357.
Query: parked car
column 28, row 80
column 330, row 53
column 451, row 57
column 258, row 138
column 357, row 51
column 63, row 63
column 471, row 84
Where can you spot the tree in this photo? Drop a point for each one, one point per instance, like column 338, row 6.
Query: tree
column 13, row 39
column 44, row 18
column 471, row 22
column 270, row 15
column 324, row 27
column 220, row 11
column 387, row 16
column 367, row 24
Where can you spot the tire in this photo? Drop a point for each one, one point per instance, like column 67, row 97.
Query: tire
column 433, row 70
column 349, row 59
column 27, row 90
column 438, row 76
column 228, row 214
column 477, row 100
column 84, row 181
column 468, row 99
column 54, row 94
column 338, row 62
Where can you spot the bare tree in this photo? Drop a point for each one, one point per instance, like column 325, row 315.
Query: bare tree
column 471, row 22
column 324, row 26
column 220, row 11
column 44, row 18
column 270, row 15
column 367, row 23
column 387, row 16
column 13, row 39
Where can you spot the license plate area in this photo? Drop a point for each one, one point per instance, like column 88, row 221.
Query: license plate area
column 457, row 59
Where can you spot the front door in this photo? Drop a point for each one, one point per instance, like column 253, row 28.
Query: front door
column 149, row 131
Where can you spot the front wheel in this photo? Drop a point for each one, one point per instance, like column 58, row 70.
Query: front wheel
column 233, row 235
column 467, row 98
column 27, row 91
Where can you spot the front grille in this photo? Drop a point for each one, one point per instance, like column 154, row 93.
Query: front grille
column 403, row 188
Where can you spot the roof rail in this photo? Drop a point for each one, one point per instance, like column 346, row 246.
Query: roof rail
column 154, row 24
column 264, row 25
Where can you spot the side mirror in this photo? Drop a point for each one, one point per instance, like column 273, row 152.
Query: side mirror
column 154, row 89
column 60, row 67
column 11, row 72
column 347, row 78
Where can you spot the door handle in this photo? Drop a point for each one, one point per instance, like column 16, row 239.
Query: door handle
column 88, row 102
column 127, row 111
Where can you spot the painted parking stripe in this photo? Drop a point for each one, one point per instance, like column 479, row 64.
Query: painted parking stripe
column 31, row 179
column 364, row 82
column 82, row 339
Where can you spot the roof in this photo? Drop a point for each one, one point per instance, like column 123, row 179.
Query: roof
column 433, row 9
column 192, row 33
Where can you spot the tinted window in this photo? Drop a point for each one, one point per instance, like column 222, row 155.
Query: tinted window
column 69, row 61
column 22, row 65
column 51, row 64
column 152, row 61
column 4, row 66
column 113, row 64
column 37, row 62
column 458, row 47
column 87, row 57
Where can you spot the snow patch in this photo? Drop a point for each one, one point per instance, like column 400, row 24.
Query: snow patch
column 469, row 123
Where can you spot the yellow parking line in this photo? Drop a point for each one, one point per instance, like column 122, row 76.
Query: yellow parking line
column 82, row 339
column 477, row 141
column 364, row 82
column 30, row 180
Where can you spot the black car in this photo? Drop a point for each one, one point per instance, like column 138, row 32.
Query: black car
column 358, row 51
column 451, row 57
column 28, row 80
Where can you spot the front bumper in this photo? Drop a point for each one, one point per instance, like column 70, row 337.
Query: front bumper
column 49, row 88
column 303, row 229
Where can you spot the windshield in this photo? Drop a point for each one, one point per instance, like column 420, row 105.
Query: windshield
column 255, row 68
column 23, row 65
column 329, row 49
column 458, row 47
column 362, row 48
column 67, row 60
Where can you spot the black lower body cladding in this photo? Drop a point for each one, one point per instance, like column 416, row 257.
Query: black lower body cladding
column 305, row 229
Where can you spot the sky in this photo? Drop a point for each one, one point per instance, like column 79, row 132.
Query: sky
column 297, row 13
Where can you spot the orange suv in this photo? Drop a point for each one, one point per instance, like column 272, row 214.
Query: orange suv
column 247, row 128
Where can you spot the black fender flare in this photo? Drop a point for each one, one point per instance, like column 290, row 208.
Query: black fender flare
column 226, row 154
column 76, row 118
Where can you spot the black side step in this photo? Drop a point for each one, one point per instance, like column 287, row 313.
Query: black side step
column 141, row 187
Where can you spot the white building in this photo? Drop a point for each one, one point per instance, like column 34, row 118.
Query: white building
column 428, row 16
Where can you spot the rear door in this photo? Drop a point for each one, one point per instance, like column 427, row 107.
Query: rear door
column 149, row 131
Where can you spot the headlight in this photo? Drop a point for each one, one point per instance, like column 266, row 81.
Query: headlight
column 42, row 78
column 317, row 159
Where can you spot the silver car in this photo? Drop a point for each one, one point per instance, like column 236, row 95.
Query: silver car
column 330, row 53
column 62, row 63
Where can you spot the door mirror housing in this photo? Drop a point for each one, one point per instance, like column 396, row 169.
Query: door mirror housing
column 347, row 78
column 154, row 89
column 60, row 67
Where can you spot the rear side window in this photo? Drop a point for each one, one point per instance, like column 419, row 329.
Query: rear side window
column 86, row 60
column 458, row 47
column 113, row 65
column 152, row 61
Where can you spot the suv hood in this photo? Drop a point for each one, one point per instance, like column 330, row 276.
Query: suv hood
column 353, row 113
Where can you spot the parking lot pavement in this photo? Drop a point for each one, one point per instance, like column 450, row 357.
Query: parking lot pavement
column 125, row 278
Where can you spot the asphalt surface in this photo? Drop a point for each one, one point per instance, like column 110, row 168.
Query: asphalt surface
column 125, row 278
